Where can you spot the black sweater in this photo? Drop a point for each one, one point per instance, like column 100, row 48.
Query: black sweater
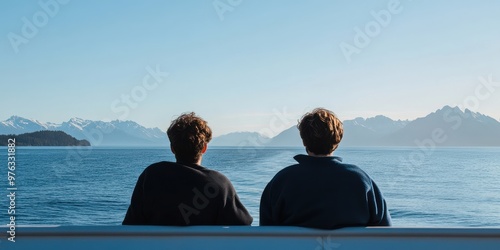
column 169, row 193
column 323, row 192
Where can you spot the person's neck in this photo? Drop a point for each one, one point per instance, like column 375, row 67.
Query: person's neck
column 315, row 155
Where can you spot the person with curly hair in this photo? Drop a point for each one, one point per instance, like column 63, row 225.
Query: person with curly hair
column 321, row 191
column 185, row 193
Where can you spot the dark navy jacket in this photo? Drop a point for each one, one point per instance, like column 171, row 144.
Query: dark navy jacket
column 169, row 193
column 323, row 192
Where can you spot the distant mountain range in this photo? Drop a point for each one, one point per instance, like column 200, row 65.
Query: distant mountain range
column 243, row 139
column 445, row 127
column 98, row 133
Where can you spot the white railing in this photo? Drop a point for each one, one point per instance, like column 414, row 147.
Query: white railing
column 242, row 237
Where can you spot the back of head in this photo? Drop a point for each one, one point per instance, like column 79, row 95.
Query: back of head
column 321, row 131
column 188, row 135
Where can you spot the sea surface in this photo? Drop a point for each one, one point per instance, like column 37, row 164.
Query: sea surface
column 440, row 187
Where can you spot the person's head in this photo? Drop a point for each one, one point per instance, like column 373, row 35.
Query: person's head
column 321, row 131
column 189, row 136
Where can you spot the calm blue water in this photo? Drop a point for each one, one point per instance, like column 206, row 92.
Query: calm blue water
column 92, row 186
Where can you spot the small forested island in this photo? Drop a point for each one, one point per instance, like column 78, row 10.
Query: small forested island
column 43, row 138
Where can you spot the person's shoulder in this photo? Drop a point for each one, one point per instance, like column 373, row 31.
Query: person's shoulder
column 289, row 169
column 287, row 172
column 356, row 171
column 219, row 181
column 160, row 166
column 351, row 167
column 217, row 176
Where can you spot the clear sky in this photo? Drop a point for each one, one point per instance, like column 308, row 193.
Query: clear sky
column 246, row 65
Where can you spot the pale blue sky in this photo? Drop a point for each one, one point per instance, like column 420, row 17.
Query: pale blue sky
column 237, row 72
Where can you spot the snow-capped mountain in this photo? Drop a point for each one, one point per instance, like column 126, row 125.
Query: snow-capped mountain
column 132, row 128
column 445, row 127
column 98, row 133
column 19, row 125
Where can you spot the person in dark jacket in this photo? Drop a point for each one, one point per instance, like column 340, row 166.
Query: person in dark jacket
column 183, row 192
column 321, row 191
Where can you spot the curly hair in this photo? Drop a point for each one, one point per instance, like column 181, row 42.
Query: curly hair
column 321, row 131
column 188, row 134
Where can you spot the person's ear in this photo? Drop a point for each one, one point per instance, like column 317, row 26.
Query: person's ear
column 205, row 146
column 172, row 149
